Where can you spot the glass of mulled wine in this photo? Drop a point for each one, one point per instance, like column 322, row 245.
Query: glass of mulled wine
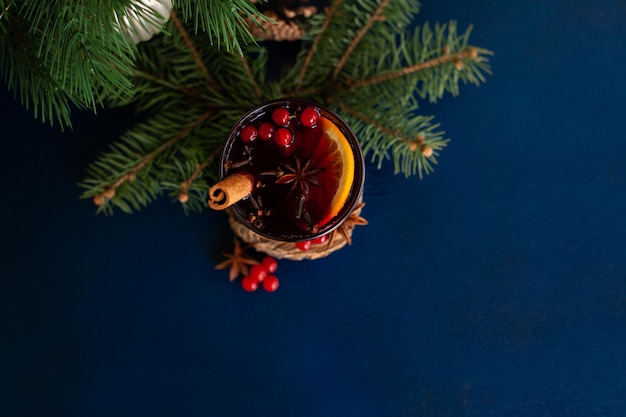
column 305, row 168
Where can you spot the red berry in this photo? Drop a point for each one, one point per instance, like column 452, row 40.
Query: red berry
column 249, row 284
column 309, row 117
column 320, row 239
column 248, row 134
column 283, row 136
column 258, row 273
column 280, row 116
column 270, row 264
column 266, row 131
column 304, row 245
column 271, row 283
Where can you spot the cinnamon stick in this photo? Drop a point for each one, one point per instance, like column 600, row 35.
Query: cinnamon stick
column 230, row 190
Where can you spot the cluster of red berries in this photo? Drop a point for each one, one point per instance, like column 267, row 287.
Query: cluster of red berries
column 308, row 244
column 278, row 130
column 263, row 274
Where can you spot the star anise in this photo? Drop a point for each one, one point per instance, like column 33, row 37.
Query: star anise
column 349, row 224
column 301, row 175
column 238, row 262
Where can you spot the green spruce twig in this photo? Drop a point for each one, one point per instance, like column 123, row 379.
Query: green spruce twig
column 457, row 58
column 359, row 36
column 56, row 56
column 358, row 59
column 190, row 192
column 194, row 52
column 191, row 94
column 253, row 83
column 330, row 12
column 105, row 193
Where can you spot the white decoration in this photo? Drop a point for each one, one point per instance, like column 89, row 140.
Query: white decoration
column 145, row 18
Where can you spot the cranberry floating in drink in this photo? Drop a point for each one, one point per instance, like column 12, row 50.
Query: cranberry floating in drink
column 290, row 170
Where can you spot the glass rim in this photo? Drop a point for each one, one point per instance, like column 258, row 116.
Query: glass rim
column 356, row 190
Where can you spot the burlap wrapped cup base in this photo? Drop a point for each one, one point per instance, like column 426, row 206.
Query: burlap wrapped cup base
column 288, row 250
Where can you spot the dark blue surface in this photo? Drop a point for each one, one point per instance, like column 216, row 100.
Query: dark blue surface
column 494, row 287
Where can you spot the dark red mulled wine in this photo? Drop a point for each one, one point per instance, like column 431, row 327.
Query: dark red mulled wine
column 305, row 164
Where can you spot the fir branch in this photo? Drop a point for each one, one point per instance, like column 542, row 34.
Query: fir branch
column 357, row 58
column 58, row 55
column 6, row 8
column 258, row 61
column 167, row 72
column 330, row 13
column 130, row 173
column 427, row 62
column 192, row 94
column 185, row 173
column 469, row 52
column 184, row 186
column 414, row 143
column 182, row 134
column 359, row 36
column 189, row 168
column 193, row 51
column 348, row 34
column 307, row 92
column 246, row 67
column 28, row 78
column 224, row 21
column 367, row 120
column 82, row 57
column 234, row 70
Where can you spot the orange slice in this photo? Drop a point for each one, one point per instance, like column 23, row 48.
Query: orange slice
column 335, row 154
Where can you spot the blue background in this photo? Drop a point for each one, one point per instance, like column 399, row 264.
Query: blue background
column 494, row 287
